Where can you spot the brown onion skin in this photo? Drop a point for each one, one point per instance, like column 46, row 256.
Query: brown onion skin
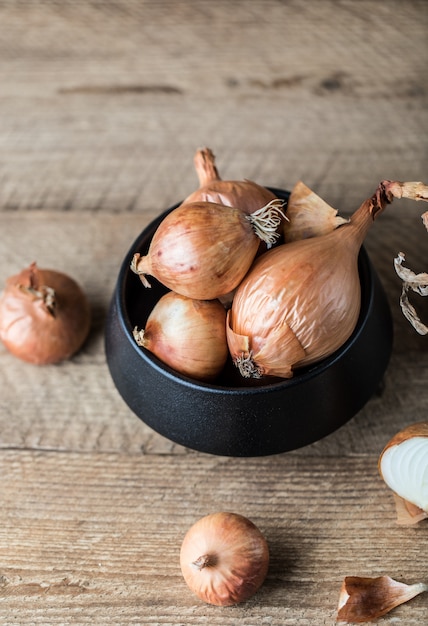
column 291, row 321
column 309, row 215
column 237, row 558
column 364, row 599
column 201, row 250
column 188, row 335
column 32, row 333
column 244, row 194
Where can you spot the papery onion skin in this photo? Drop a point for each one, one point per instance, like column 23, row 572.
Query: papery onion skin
column 301, row 300
column 34, row 332
column 411, row 282
column 201, row 250
column 364, row 599
column 395, row 467
column 288, row 319
column 309, row 215
column 188, row 335
column 244, row 194
column 224, row 558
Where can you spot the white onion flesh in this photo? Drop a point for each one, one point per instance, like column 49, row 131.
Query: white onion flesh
column 404, row 468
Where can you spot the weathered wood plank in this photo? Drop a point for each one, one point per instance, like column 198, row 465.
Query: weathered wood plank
column 103, row 104
column 95, row 538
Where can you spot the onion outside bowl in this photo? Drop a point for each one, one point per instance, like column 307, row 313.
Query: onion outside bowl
column 230, row 417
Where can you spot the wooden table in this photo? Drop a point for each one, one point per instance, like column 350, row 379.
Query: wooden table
column 102, row 106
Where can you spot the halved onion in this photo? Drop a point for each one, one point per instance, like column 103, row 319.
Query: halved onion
column 403, row 465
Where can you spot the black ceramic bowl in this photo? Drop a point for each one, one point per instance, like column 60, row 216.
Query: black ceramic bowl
column 229, row 418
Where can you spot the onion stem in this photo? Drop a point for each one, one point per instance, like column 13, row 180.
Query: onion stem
column 47, row 294
column 205, row 166
column 205, row 560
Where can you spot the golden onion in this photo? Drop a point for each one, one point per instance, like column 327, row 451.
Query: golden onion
column 301, row 301
column 203, row 250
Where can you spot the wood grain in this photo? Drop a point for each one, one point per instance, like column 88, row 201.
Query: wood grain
column 92, row 533
column 102, row 106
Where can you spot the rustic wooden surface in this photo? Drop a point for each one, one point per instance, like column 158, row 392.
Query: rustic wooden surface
column 102, row 105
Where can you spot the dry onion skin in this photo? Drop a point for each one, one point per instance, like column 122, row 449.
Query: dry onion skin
column 309, row 215
column 364, row 599
column 44, row 316
column 301, row 300
column 244, row 194
column 224, row 558
column 418, row 283
column 188, row 335
column 403, row 465
column 202, row 250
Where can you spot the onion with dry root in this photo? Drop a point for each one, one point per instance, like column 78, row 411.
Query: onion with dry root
column 202, row 250
column 364, row 599
column 44, row 316
column 188, row 335
column 244, row 194
column 301, row 300
column 224, row 558
column 403, row 465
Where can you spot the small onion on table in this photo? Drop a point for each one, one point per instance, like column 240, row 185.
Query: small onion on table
column 224, row 558
column 44, row 316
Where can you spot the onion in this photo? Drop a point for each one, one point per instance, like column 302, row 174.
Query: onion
column 203, row 250
column 244, row 194
column 44, row 316
column 403, row 465
column 301, row 300
column 188, row 335
column 224, row 558
column 363, row 599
